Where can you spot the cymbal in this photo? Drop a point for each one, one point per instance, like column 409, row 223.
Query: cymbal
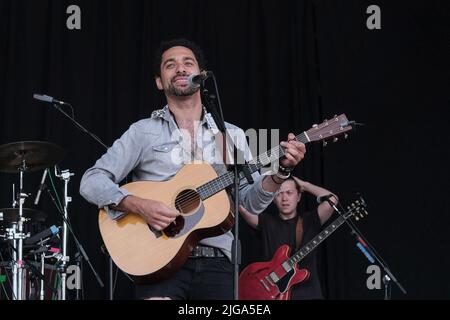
column 12, row 214
column 34, row 155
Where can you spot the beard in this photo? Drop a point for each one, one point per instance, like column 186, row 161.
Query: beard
column 181, row 92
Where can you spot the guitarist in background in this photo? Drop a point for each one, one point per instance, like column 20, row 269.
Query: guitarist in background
column 147, row 149
column 282, row 227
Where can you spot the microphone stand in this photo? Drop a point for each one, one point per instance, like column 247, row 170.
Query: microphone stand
column 217, row 114
column 79, row 126
column 371, row 254
column 66, row 177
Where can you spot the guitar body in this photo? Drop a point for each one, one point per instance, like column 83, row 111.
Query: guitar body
column 256, row 282
column 199, row 194
column 151, row 255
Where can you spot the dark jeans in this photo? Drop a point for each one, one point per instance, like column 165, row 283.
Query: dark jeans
column 198, row 279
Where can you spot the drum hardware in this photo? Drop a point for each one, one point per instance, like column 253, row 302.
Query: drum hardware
column 24, row 157
column 56, row 104
column 65, row 177
column 21, row 157
column 37, row 271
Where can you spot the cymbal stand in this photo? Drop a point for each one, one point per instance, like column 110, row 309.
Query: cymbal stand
column 42, row 286
column 65, row 176
column 16, row 235
column 10, row 235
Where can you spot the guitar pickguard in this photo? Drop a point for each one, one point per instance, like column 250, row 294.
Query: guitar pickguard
column 184, row 223
column 283, row 283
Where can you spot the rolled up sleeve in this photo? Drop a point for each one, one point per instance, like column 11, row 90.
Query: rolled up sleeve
column 99, row 184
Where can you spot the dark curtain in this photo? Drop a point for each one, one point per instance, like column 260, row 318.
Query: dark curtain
column 280, row 65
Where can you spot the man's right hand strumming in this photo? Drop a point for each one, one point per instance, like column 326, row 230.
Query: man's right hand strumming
column 156, row 213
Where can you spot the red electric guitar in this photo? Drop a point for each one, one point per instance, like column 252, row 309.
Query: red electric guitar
column 273, row 280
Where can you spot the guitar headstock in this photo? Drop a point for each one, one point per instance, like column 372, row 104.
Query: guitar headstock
column 330, row 129
column 357, row 209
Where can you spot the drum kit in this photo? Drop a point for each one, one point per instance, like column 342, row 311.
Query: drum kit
column 26, row 245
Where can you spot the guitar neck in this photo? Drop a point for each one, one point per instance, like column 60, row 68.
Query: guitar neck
column 310, row 246
column 272, row 155
column 227, row 179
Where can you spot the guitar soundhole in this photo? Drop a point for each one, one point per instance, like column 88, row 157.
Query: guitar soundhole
column 187, row 201
column 175, row 227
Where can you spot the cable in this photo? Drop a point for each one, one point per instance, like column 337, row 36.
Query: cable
column 4, row 290
column 82, row 277
column 50, row 277
column 218, row 96
column 71, row 108
column 115, row 282
column 60, row 208
column 7, row 275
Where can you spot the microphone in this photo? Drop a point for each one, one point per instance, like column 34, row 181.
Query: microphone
column 41, row 187
column 45, row 98
column 195, row 80
column 47, row 233
column 39, row 250
column 324, row 198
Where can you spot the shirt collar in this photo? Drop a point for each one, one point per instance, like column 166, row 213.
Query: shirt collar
column 165, row 114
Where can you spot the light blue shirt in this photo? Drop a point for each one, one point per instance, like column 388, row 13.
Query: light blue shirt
column 155, row 149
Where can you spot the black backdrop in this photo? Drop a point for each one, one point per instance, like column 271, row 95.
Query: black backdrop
column 280, row 64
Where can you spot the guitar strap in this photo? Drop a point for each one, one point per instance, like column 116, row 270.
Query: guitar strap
column 222, row 144
column 220, row 138
column 298, row 233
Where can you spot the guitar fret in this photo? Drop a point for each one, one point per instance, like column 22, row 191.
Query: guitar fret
column 212, row 187
column 297, row 257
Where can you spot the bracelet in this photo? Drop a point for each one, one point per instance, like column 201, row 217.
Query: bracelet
column 283, row 177
column 286, row 170
column 271, row 176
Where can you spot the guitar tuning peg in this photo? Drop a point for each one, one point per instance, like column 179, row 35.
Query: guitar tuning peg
column 345, row 136
column 335, row 139
column 314, row 125
column 356, row 218
column 366, row 212
column 325, row 143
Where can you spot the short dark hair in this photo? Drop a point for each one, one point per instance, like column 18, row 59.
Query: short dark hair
column 181, row 42
column 297, row 186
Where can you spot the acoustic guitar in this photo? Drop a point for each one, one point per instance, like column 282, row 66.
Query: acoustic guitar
column 199, row 194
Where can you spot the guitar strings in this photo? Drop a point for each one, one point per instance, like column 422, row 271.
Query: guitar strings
column 210, row 187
